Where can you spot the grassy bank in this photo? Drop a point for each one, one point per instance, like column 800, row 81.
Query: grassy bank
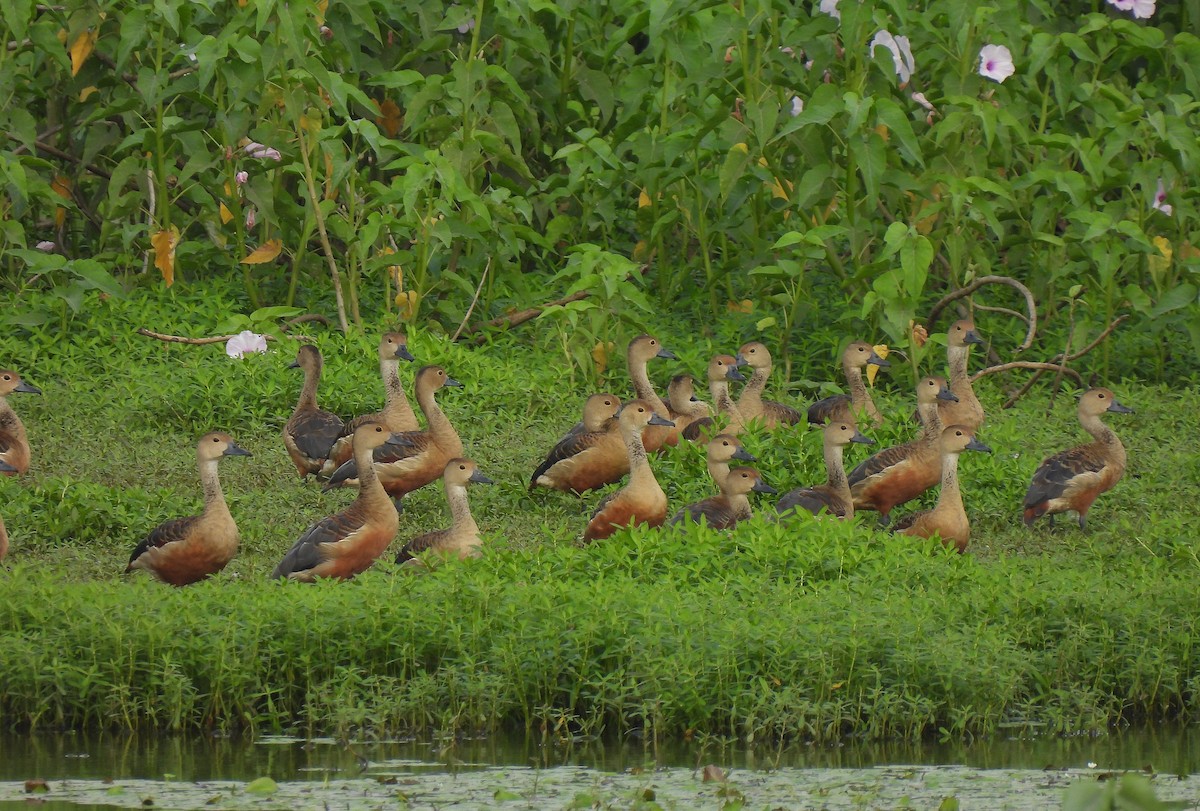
column 812, row 631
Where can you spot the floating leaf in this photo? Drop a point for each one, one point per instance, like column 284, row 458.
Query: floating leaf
column 263, row 785
column 264, row 253
column 164, row 243
column 82, row 48
column 504, row 795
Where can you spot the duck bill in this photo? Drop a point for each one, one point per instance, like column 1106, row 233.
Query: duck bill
column 235, row 449
column 663, row 352
column 976, row 445
column 1117, row 408
column 28, row 388
column 450, row 381
column 403, row 353
column 739, row 359
column 972, row 337
column 744, row 455
column 861, row 439
column 734, row 374
column 294, row 364
column 657, row 420
column 947, row 395
column 762, row 487
column 480, row 478
column 875, row 360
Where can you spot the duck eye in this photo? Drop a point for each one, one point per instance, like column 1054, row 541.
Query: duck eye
column 1101, row 396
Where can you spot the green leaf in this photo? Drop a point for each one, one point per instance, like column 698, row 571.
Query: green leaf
column 898, row 122
column 1174, row 299
column 262, row 785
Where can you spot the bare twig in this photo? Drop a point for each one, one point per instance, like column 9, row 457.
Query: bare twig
column 1030, row 304
column 478, row 290
column 67, row 156
column 1028, row 364
column 1003, row 311
column 303, row 319
column 212, row 339
column 1099, row 339
column 315, row 202
column 521, row 316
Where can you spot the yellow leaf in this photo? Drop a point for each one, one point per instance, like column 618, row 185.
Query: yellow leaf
column 1160, row 264
column 61, row 185
column 600, row 353
column 390, row 119
column 883, row 132
column 322, row 7
column 745, row 306
column 264, row 253
column 408, row 301
column 643, row 199
column 742, row 146
column 87, row 91
column 82, row 48
column 641, row 251
column 164, row 243
column 226, row 215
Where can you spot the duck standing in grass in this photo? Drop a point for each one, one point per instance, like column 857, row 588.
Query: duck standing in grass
column 311, row 432
column 856, row 405
column 642, row 500
column 641, row 351
column 14, row 446
column 948, row 518
column 461, row 539
column 1072, row 479
column 347, row 543
column 833, row 496
column 751, row 404
column 966, row 410
column 582, row 460
column 7, row 469
column 730, row 505
column 185, row 550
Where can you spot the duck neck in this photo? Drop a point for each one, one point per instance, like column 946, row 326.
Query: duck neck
column 752, row 392
column 950, row 497
column 860, row 398
column 931, row 421
column 436, row 419
column 396, row 409
column 719, row 389
column 960, row 380
column 461, row 519
column 308, row 394
column 1103, row 435
column 210, row 483
column 645, row 389
column 640, row 473
column 719, row 471
column 835, row 470
column 370, row 490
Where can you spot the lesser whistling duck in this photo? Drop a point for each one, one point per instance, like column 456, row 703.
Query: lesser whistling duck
column 833, row 496
column 462, row 538
column 721, row 369
column 186, row 550
column 14, row 446
column 684, row 405
column 397, row 414
column 347, row 543
column 751, row 404
column 311, row 432
column 967, row 410
column 5, row 467
column 903, row 472
column 1072, row 479
column 720, row 451
column 421, row 456
column 642, row 500
column 581, row 460
column 948, row 519
column 731, row 505
column 641, row 350
column 857, row 405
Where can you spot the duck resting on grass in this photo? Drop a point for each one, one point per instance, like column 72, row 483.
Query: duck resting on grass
column 856, row 405
column 721, row 369
column 311, row 432
column 581, row 460
column 834, row 496
column 461, row 539
column 948, row 518
column 641, row 351
column 642, row 500
column 731, row 505
column 751, row 404
column 14, row 446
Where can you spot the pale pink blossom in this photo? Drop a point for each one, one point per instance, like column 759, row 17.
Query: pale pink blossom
column 1142, row 9
column 251, row 217
column 45, row 245
column 245, row 341
column 241, row 177
column 797, row 105
column 1160, row 199
column 257, row 150
column 830, row 7
column 901, row 53
column 996, row 63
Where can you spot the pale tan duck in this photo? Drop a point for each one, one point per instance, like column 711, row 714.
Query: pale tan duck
column 310, row 432
column 833, row 496
column 587, row 457
column 186, row 550
column 948, row 519
column 903, row 472
column 461, row 539
column 421, row 456
column 1072, row 479
column 342, row 545
column 720, row 451
column 397, row 414
column 642, row 500
column 14, row 445
column 967, row 410
column 721, row 369
column 642, row 350
column 5, row 468
column 751, row 404
column 684, row 405
column 857, row 406
column 731, row 505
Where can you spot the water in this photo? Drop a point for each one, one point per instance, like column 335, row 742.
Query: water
column 175, row 772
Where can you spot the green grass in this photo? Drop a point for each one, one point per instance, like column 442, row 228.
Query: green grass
column 810, row 630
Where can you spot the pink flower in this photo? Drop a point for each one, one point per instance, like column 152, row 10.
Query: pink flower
column 830, row 7
column 45, row 245
column 251, row 217
column 241, row 177
column 1160, row 199
column 257, row 150
column 901, row 53
column 245, row 341
column 995, row 63
column 1142, row 9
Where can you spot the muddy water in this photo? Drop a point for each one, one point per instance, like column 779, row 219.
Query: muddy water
column 120, row 771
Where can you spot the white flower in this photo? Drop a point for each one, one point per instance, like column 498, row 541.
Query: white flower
column 995, row 63
column 920, row 99
column 797, row 105
column 245, row 341
column 1160, row 199
column 830, row 7
column 257, row 150
column 1142, row 9
column 47, row 246
column 241, row 177
column 901, row 53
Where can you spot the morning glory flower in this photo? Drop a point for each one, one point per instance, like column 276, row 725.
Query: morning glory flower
column 995, row 63
column 797, row 105
column 901, row 53
column 830, row 7
column 257, row 150
column 241, row 177
column 47, row 246
column 1160, row 199
column 245, row 341
column 1142, row 9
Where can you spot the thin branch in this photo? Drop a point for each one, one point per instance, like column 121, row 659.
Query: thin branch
column 1099, row 338
column 213, row 339
column 1028, row 364
column 1030, row 304
column 1003, row 311
column 67, row 156
column 478, row 290
column 521, row 316
column 315, row 201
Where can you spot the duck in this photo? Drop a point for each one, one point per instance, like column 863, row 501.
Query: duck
column 751, row 404
column 310, row 432
column 1071, row 480
column 834, row 496
column 397, row 414
column 582, row 460
column 721, row 369
column 731, row 505
column 857, row 405
column 683, row 404
column 14, row 446
column 948, row 518
column 461, row 540
column 966, row 410
column 902, row 472
column 720, row 451
column 186, row 550
column 342, row 545
column 5, row 468
column 641, row 351
column 421, row 456
column 642, row 500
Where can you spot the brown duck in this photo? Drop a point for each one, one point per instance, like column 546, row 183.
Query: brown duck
column 720, row 451
column 5, row 468
column 948, row 519
column 903, row 472
column 14, row 446
column 751, row 404
column 684, row 405
column 642, row 500
column 397, row 414
column 587, row 457
column 721, row 369
column 311, row 432
column 857, row 405
column 1072, row 479
column 967, row 410
column 834, row 496
column 462, row 538
column 731, row 505
column 186, row 550
column 642, row 350
column 347, row 543
column 419, row 457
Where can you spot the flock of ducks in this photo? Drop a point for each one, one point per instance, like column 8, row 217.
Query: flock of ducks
column 388, row 454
